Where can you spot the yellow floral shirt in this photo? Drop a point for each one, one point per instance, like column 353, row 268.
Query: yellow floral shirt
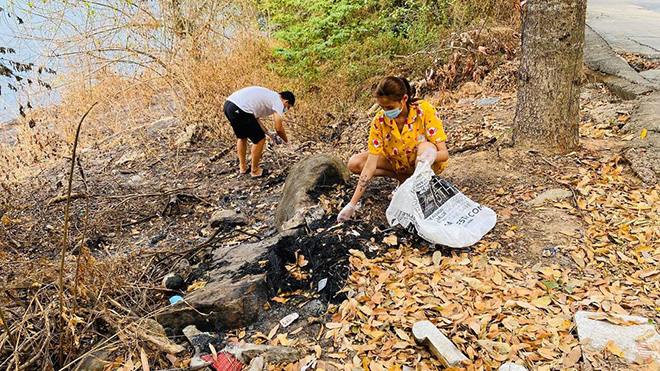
column 400, row 148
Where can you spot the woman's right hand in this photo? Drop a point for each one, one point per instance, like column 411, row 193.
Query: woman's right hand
column 347, row 212
column 428, row 155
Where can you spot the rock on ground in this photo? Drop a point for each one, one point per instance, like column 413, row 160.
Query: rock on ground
column 227, row 217
column 652, row 75
column 635, row 340
column 446, row 352
column 303, row 178
column 226, row 301
column 95, row 361
column 551, row 194
column 271, row 354
column 510, row 366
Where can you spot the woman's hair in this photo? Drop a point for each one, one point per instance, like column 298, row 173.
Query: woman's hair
column 394, row 88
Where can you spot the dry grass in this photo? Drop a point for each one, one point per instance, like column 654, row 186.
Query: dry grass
column 109, row 294
column 46, row 134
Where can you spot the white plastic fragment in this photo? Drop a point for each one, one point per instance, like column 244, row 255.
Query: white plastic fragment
column 286, row 321
column 440, row 345
column 310, row 365
column 322, row 284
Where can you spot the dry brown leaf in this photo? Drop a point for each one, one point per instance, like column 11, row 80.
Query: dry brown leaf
column 613, row 348
column 366, row 310
column 282, row 338
column 542, row 302
column 196, row 285
column 402, row 334
column 573, row 357
column 273, row 331
column 391, row 240
column 548, row 354
column 437, row 258
column 214, row 353
column 497, row 277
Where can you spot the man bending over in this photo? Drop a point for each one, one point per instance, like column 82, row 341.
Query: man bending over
column 244, row 110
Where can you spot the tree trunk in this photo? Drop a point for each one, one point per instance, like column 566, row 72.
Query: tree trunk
column 548, row 112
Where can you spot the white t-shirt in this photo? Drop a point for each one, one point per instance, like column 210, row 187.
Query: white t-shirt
column 260, row 102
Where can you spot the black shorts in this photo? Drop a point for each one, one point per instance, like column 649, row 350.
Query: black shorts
column 245, row 125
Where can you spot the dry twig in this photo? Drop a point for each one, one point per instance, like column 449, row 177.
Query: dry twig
column 66, row 227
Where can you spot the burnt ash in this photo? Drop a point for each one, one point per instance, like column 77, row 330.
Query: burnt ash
column 326, row 250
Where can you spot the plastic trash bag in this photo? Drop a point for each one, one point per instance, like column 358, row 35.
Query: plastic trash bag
column 437, row 211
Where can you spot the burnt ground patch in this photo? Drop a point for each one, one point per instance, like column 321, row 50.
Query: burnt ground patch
column 300, row 262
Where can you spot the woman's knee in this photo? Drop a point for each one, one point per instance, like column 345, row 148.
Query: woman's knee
column 356, row 164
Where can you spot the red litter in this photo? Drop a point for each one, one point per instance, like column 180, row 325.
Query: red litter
column 225, row 362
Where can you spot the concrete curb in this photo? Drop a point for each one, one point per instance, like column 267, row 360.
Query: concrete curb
column 612, row 69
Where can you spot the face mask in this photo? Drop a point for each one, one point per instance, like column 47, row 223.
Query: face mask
column 393, row 113
column 285, row 109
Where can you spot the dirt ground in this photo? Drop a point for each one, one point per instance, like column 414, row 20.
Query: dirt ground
column 149, row 203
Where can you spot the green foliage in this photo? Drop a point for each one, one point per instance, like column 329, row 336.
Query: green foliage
column 354, row 39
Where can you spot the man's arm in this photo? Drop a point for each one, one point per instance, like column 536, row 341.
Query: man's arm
column 279, row 126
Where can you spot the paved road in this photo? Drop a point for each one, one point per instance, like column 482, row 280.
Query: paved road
column 631, row 26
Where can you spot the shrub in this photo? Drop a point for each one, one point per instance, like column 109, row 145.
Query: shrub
column 351, row 38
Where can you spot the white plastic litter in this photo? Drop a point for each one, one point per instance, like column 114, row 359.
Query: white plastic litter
column 321, row 285
column 286, row 321
column 437, row 211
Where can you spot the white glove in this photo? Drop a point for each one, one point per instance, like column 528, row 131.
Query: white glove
column 347, row 212
column 428, row 155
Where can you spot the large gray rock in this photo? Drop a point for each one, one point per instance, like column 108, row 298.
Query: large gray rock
column 614, row 71
column 303, row 177
column 234, row 295
column 644, row 153
column 223, row 303
column 636, row 336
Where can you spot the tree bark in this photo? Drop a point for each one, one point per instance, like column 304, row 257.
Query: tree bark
column 548, row 112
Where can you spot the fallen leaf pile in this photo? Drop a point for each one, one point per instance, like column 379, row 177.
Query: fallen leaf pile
column 497, row 309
